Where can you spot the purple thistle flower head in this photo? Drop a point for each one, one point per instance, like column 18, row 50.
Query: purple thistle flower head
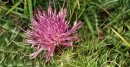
column 49, row 30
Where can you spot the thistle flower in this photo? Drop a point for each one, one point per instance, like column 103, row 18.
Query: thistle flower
column 49, row 30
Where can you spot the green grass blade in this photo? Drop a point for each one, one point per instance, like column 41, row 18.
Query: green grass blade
column 12, row 2
column 25, row 8
column 34, row 3
column 120, row 37
column 13, row 7
column 30, row 8
column 88, row 23
column 102, row 8
column 82, row 9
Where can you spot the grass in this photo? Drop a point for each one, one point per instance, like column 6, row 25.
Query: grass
column 98, row 46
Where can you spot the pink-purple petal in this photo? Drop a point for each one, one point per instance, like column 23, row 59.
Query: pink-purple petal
column 33, row 55
column 66, row 43
column 50, row 29
column 50, row 52
column 31, row 41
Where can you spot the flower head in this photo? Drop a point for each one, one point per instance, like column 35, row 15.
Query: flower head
column 50, row 29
